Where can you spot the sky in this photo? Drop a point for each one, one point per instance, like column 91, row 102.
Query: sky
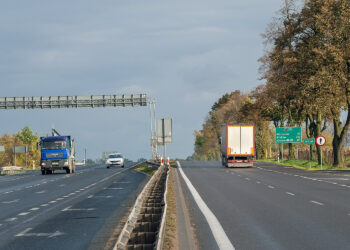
column 186, row 54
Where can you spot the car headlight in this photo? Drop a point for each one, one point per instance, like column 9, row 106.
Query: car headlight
column 43, row 164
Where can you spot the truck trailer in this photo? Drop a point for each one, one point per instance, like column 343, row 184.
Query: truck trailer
column 57, row 153
column 238, row 145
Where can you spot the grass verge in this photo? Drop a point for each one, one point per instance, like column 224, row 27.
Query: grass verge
column 170, row 241
column 145, row 168
column 302, row 164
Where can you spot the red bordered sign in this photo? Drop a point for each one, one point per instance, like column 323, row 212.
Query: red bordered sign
column 320, row 140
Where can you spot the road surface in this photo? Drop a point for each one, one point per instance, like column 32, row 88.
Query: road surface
column 66, row 211
column 269, row 206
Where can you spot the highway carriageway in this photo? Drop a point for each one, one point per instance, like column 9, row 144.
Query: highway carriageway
column 84, row 210
column 266, row 207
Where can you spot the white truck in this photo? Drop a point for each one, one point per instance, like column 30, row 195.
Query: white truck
column 238, row 145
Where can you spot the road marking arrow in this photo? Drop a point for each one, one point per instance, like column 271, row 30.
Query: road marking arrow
column 49, row 235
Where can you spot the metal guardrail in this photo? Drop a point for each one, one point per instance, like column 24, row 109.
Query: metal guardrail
column 10, row 170
column 92, row 101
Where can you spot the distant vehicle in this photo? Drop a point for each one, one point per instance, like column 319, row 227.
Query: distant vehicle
column 115, row 159
column 57, row 153
column 238, row 145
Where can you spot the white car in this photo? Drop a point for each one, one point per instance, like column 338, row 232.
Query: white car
column 115, row 159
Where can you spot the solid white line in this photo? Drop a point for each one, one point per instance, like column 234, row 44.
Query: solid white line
column 318, row 203
column 290, row 193
column 218, row 232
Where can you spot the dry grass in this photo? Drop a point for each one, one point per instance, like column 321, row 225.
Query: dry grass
column 147, row 169
column 171, row 241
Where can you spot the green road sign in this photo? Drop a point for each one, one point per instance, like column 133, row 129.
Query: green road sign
column 288, row 135
column 309, row 141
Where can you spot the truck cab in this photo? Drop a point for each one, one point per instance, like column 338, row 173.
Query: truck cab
column 57, row 153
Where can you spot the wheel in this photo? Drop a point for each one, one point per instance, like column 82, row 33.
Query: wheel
column 123, row 166
column 68, row 170
column 107, row 166
column 43, row 172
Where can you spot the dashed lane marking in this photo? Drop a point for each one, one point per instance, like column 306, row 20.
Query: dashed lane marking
column 34, row 209
column 317, row 203
column 11, row 219
column 23, row 214
column 289, row 193
column 271, row 186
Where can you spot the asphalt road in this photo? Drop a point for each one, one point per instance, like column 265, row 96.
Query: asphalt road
column 270, row 207
column 66, row 211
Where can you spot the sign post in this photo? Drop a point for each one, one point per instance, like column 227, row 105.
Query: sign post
column 164, row 133
column 309, row 141
column 288, row 135
column 20, row 149
column 321, row 141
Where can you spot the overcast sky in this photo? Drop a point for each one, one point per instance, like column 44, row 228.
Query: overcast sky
column 184, row 53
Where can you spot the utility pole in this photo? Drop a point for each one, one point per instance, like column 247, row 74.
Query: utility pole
column 85, row 158
column 153, row 127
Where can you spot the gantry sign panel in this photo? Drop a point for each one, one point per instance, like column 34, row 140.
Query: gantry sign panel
column 92, row 101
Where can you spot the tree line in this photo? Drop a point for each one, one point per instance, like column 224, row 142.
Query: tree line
column 25, row 137
column 306, row 70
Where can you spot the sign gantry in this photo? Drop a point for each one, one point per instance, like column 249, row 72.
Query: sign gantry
column 92, row 101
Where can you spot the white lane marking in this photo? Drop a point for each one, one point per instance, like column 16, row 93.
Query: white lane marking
column 290, row 193
column 49, row 235
column 271, row 186
column 258, row 182
column 11, row 219
column 100, row 196
column 62, row 185
column 23, row 214
column 122, row 182
column 41, row 192
column 114, row 188
column 318, row 203
column 247, row 179
column 66, row 196
column 34, row 209
column 44, row 205
column 52, row 202
column 77, row 209
column 59, row 199
column 343, row 185
column 9, row 202
column 218, row 232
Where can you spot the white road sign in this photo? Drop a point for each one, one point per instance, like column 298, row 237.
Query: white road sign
column 320, row 140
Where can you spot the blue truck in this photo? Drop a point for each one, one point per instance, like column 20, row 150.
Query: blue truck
column 57, row 153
